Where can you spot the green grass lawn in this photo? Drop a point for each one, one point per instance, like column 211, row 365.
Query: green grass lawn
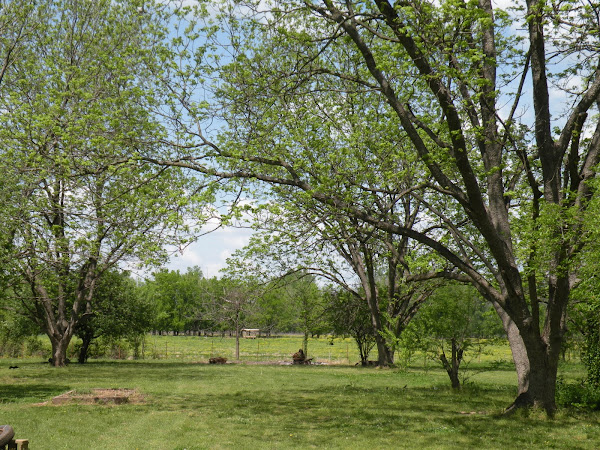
column 193, row 405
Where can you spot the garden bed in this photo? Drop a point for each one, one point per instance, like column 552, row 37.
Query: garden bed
column 99, row 396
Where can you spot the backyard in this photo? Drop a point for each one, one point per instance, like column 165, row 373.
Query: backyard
column 185, row 403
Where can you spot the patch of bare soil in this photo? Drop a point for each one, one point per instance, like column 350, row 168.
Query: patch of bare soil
column 99, row 397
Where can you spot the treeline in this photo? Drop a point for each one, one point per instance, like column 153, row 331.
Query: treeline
column 171, row 302
column 453, row 326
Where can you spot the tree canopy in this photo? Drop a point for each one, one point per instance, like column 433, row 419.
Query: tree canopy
column 76, row 106
column 459, row 129
column 493, row 109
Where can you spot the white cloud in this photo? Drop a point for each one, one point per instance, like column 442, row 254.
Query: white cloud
column 210, row 252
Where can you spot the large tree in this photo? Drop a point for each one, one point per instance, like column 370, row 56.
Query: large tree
column 375, row 267
column 75, row 105
column 499, row 110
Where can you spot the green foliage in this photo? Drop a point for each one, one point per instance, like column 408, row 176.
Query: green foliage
column 455, row 311
column 178, row 299
column 120, row 312
column 77, row 111
column 18, row 333
column 578, row 395
column 584, row 314
column 453, row 323
column 110, row 347
column 308, row 304
column 585, row 317
column 359, row 105
column 591, row 352
column 350, row 315
column 13, row 345
column 275, row 313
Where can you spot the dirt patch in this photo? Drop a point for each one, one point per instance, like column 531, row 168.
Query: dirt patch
column 99, row 397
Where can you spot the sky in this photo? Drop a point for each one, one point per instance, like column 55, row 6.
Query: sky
column 211, row 251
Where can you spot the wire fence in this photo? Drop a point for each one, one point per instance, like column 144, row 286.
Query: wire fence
column 272, row 349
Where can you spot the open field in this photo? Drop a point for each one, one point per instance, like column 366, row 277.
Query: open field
column 325, row 350
column 276, row 349
column 191, row 405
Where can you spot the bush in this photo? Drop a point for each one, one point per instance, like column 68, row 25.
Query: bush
column 580, row 395
column 34, row 346
column 10, row 346
column 591, row 353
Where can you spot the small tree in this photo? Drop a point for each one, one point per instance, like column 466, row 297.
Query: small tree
column 349, row 315
column 120, row 312
column 301, row 290
column 229, row 302
column 450, row 324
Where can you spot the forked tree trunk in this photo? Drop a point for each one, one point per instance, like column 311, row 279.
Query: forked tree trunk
column 364, row 347
column 453, row 365
column 59, row 350
column 385, row 354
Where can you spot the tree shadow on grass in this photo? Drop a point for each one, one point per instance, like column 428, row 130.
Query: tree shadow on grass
column 362, row 404
column 434, row 417
column 18, row 393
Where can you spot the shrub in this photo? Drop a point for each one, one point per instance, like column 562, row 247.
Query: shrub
column 579, row 395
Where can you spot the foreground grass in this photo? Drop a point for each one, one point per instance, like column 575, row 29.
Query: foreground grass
column 197, row 406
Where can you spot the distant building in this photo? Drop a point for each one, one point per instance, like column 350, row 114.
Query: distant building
column 250, row 333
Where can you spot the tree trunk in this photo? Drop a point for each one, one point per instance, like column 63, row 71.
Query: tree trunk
column 385, row 354
column 86, row 340
column 536, row 365
column 453, row 366
column 237, row 340
column 517, row 347
column 59, row 350
column 305, row 343
column 537, row 380
column 364, row 347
